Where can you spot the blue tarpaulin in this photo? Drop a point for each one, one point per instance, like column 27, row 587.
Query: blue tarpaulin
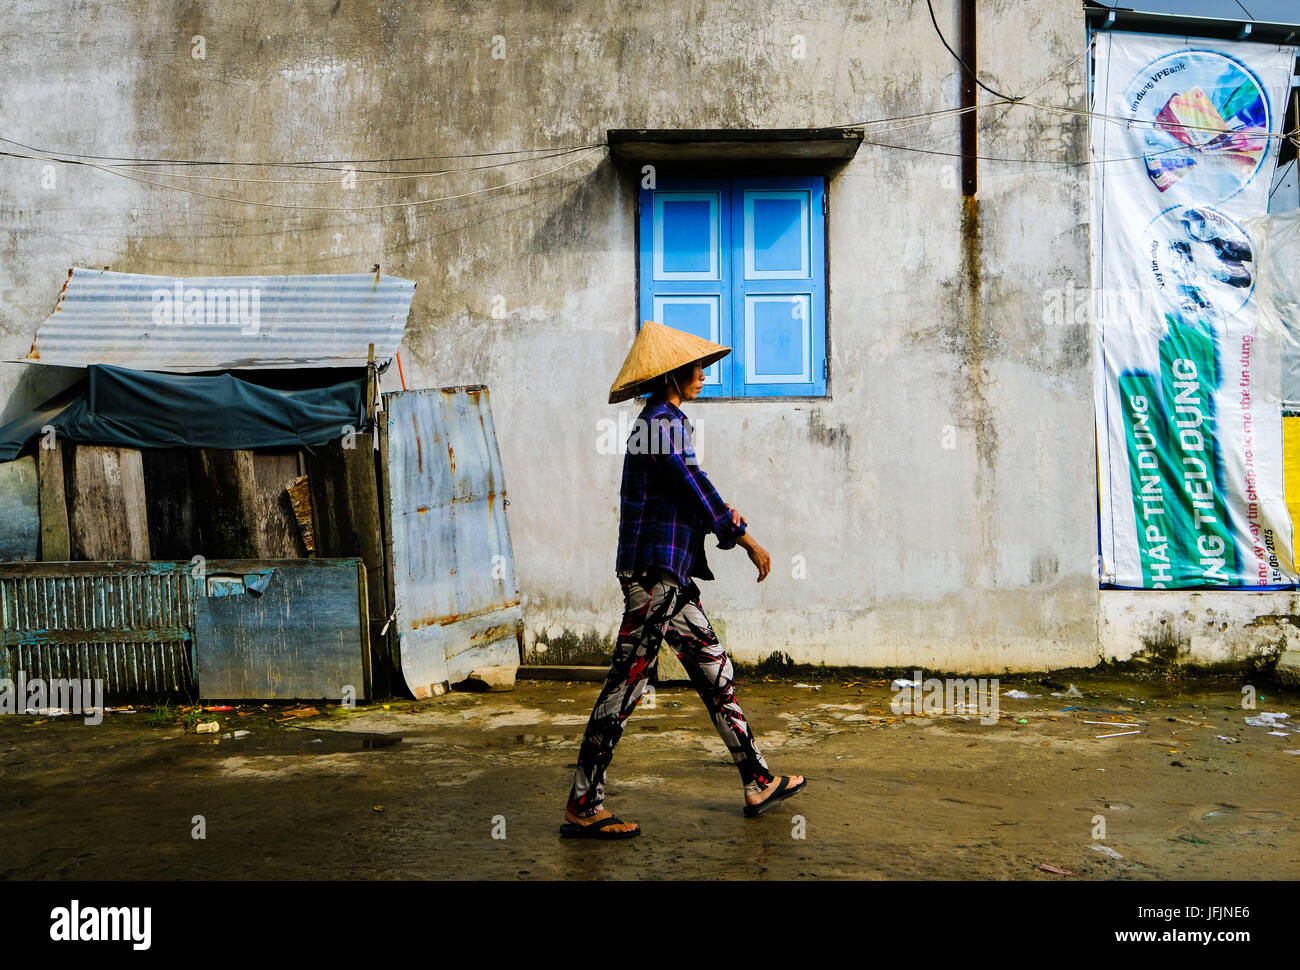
column 140, row 409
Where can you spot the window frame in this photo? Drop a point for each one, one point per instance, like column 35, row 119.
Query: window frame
column 736, row 292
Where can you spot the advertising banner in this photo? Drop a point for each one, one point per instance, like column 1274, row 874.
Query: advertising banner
column 1188, row 383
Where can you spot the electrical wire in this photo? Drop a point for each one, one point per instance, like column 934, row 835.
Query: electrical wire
column 1090, row 114
column 132, row 164
column 921, row 116
column 894, row 123
column 966, row 67
column 884, row 125
column 303, row 163
column 876, row 144
column 1280, row 181
column 316, row 208
column 949, row 113
column 1069, row 64
column 1153, row 124
column 908, row 121
column 954, row 112
column 335, row 181
column 1006, row 100
column 123, row 164
column 1039, row 161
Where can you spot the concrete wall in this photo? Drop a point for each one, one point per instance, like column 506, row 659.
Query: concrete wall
column 943, row 498
column 1194, row 627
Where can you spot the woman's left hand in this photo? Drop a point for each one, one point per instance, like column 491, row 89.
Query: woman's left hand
column 736, row 517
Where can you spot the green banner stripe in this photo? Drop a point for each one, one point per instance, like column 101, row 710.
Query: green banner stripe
column 1148, row 457
column 1189, row 376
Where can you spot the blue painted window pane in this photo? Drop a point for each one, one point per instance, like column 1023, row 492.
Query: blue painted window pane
column 778, row 242
column 778, row 338
column 740, row 261
column 687, row 236
column 694, row 318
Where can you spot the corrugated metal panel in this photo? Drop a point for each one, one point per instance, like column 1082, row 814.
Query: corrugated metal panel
column 158, row 322
column 456, row 594
column 125, row 623
column 133, row 624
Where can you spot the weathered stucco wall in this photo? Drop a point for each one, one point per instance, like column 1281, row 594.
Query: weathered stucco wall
column 942, row 499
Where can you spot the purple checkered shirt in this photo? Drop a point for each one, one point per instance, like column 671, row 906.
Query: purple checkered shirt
column 668, row 503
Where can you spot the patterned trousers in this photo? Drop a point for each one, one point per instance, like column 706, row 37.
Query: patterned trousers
column 657, row 608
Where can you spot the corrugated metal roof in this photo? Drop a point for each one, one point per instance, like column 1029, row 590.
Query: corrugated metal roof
column 212, row 323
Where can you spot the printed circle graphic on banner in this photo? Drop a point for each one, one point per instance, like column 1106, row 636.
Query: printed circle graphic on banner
column 1202, row 261
column 1210, row 123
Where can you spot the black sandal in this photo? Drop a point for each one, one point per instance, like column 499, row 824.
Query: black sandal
column 597, row 830
column 783, row 791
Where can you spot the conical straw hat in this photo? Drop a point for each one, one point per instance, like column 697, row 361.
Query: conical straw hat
column 657, row 350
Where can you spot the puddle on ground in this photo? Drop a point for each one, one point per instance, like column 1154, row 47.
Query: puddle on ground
column 511, row 740
column 514, row 740
column 297, row 741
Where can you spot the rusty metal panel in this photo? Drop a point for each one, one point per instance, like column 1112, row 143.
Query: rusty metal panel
column 304, row 635
column 456, row 594
column 133, row 624
column 194, row 324
column 127, row 623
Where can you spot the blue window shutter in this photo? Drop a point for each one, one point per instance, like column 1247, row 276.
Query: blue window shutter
column 779, row 291
column 686, row 265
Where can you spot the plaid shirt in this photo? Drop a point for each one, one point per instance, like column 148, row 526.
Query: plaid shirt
column 668, row 503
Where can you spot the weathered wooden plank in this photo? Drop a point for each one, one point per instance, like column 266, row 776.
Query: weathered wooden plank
column 250, row 486
column 38, row 570
column 225, row 500
column 20, row 515
column 278, row 536
column 55, row 540
column 345, row 517
column 304, row 637
column 133, row 635
column 169, row 498
column 107, row 518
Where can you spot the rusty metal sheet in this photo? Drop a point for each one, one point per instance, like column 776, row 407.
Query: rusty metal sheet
column 211, row 323
column 456, row 594
column 303, row 636
column 133, row 624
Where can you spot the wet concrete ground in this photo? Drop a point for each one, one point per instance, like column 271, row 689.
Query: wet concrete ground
column 419, row 791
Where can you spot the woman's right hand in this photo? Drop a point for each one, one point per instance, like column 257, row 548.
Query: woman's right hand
column 758, row 556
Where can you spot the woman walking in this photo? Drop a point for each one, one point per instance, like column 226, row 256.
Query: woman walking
column 668, row 505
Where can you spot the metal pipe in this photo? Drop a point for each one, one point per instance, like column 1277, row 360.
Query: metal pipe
column 969, row 132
